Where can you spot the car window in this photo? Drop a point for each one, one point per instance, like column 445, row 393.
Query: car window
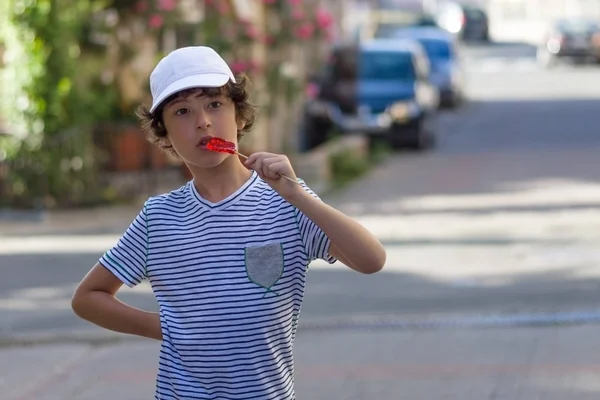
column 388, row 30
column 577, row 26
column 391, row 29
column 386, row 66
column 435, row 48
column 341, row 65
column 386, row 23
column 474, row 13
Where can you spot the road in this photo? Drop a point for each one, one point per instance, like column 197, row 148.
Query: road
column 498, row 226
column 502, row 217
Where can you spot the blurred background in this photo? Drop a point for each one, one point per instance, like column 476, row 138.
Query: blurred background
column 462, row 133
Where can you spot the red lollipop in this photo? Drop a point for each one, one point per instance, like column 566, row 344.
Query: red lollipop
column 220, row 145
column 224, row 146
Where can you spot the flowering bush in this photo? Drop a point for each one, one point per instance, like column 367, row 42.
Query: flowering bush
column 89, row 65
column 289, row 22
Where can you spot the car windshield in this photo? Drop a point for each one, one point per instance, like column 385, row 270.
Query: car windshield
column 385, row 30
column 386, row 66
column 577, row 26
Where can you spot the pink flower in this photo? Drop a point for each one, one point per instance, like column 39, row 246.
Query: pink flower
column 268, row 39
column 305, row 31
column 251, row 32
column 166, row 5
column 298, row 14
column 238, row 66
column 254, row 65
column 229, row 33
column 222, row 7
column 155, row 21
column 141, row 6
column 245, row 66
column 312, row 91
column 329, row 36
column 324, row 18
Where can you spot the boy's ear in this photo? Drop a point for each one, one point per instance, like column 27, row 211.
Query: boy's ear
column 241, row 125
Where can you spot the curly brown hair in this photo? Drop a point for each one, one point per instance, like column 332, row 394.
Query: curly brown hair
column 245, row 111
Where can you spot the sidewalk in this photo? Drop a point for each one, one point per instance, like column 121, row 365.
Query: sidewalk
column 508, row 364
column 97, row 220
column 100, row 220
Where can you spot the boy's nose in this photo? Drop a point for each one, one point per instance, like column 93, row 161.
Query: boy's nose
column 202, row 121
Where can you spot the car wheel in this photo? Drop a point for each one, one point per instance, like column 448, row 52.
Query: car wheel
column 452, row 102
column 424, row 135
column 486, row 37
column 316, row 132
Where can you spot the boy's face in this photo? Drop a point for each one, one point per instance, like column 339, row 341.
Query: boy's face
column 190, row 118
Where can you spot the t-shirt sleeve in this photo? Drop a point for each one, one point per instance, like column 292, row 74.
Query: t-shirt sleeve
column 127, row 259
column 316, row 243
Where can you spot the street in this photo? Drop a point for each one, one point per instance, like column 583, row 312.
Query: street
column 492, row 270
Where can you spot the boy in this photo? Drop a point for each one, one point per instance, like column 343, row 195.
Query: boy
column 227, row 253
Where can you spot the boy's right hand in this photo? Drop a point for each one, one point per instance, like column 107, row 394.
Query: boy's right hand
column 95, row 301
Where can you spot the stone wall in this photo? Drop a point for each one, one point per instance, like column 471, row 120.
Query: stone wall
column 314, row 166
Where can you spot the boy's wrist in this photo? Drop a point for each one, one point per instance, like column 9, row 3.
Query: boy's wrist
column 298, row 196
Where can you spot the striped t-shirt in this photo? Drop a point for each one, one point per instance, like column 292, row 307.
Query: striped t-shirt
column 229, row 280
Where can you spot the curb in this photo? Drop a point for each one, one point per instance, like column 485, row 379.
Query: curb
column 99, row 337
column 22, row 216
column 89, row 337
column 466, row 321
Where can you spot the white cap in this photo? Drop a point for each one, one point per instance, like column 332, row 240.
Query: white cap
column 186, row 68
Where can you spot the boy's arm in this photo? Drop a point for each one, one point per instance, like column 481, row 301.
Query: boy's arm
column 351, row 243
column 94, row 300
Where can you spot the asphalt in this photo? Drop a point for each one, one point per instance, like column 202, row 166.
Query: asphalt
column 528, row 363
column 490, row 290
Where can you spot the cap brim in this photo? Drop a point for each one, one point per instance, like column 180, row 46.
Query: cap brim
column 189, row 82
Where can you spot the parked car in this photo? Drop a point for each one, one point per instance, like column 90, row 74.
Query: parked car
column 466, row 21
column 380, row 88
column 447, row 72
column 574, row 39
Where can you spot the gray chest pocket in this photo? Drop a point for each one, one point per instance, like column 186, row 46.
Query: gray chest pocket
column 264, row 265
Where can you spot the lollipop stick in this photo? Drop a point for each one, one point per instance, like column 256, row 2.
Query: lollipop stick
column 283, row 176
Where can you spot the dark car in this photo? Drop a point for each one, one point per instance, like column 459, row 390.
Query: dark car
column 447, row 73
column 577, row 39
column 381, row 88
column 466, row 21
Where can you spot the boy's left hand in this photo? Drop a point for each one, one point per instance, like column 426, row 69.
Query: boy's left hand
column 270, row 167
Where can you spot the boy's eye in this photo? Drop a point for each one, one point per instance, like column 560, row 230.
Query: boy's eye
column 215, row 104
column 181, row 111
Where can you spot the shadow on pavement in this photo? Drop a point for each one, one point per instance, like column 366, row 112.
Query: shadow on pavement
column 36, row 290
column 335, row 294
column 514, row 156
